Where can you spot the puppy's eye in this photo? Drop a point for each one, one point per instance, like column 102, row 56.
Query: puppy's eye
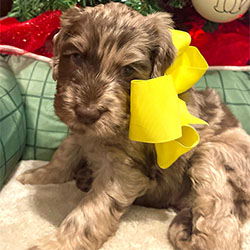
column 76, row 58
column 127, row 71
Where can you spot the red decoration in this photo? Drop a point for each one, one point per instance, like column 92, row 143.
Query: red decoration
column 228, row 45
column 34, row 35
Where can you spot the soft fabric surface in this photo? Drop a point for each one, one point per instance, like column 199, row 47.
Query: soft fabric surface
column 12, row 121
column 44, row 130
column 27, row 213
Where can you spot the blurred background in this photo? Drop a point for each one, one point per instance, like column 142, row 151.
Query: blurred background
column 219, row 28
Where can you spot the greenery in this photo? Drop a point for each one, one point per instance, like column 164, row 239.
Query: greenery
column 144, row 6
column 179, row 4
column 26, row 9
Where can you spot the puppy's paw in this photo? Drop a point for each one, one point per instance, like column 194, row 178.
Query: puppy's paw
column 34, row 176
column 84, row 179
column 180, row 230
column 52, row 243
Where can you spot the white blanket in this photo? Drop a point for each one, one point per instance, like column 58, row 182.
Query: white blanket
column 27, row 213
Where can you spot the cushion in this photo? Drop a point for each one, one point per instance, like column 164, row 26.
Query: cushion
column 12, row 121
column 44, row 130
column 234, row 90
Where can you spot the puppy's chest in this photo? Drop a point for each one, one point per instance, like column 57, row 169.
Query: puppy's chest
column 95, row 152
column 101, row 153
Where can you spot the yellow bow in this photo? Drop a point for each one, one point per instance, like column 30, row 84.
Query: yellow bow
column 157, row 114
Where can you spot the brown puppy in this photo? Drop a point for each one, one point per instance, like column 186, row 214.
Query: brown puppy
column 98, row 51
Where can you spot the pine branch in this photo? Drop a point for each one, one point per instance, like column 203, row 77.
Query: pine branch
column 26, row 9
column 144, row 7
column 179, row 4
column 210, row 27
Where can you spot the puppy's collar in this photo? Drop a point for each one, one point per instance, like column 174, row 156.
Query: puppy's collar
column 157, row 114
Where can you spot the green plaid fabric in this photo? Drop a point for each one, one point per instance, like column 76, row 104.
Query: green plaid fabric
column 234, row 90
column 12, row 122
column 44, row 130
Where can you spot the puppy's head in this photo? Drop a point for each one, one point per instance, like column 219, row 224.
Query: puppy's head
column 97, row 53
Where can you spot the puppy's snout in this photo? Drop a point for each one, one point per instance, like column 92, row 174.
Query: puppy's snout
column 88, row 115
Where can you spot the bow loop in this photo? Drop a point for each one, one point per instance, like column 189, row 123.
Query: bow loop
column 157, row 114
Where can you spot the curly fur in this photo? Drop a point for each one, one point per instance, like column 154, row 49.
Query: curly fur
column 97, row 52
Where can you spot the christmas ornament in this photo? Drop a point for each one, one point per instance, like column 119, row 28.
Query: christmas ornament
column 157, row 114
column 221, row 11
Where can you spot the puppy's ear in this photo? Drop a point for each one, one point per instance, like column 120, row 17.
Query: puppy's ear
column 163, row 51
column 55, row 59
column 71, row 16
column 68, row 19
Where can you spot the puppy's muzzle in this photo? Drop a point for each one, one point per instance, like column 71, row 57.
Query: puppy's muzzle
column 87, row 115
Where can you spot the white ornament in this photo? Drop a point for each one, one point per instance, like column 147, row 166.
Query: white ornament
column 221, row 11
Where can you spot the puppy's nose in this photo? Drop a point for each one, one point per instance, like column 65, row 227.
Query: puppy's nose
column 87, row 116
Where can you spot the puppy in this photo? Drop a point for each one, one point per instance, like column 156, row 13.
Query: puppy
column 97, row 53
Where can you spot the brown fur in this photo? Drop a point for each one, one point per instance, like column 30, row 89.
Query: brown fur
column 97, row 53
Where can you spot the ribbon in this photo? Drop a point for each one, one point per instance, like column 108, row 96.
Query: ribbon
column 158, row 115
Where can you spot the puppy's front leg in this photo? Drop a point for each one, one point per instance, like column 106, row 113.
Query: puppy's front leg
column 97, row 216
column 59, row 170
